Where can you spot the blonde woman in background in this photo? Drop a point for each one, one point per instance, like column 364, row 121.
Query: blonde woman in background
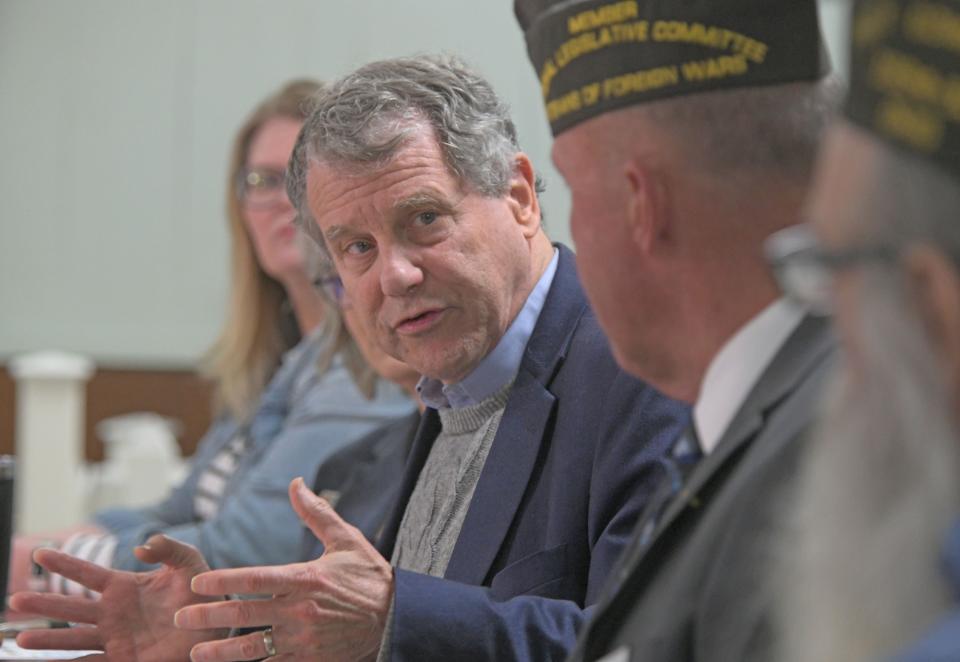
column 291, row 386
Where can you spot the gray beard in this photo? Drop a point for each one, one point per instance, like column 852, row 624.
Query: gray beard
column 861, row 576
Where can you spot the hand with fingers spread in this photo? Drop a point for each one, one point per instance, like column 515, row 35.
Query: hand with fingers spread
column 333, row 608
column 22, row 547
column 133, row 617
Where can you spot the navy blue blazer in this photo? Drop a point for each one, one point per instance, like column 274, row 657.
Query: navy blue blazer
column 566, row 478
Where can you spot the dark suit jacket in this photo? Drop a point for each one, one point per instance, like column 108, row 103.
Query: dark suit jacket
column 567, row 474
column 700, row 590
column 362, row 480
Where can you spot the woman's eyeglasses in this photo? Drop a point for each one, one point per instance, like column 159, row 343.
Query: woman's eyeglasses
column 262, row 187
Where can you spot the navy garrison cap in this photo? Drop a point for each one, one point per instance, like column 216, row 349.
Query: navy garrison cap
column 593, row 56
column 905, row 76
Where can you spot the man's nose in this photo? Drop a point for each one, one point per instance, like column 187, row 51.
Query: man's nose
column 400, row 273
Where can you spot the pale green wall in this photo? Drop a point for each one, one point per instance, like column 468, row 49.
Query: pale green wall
column 115, row 123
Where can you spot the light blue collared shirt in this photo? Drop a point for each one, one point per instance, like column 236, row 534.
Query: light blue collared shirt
column 500, row 366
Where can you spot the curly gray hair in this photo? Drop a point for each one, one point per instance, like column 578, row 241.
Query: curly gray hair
column 363, row 119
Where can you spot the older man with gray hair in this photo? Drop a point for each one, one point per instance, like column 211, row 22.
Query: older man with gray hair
column 536, row 453
column 864, row 573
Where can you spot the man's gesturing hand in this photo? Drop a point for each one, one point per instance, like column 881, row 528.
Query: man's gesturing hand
column 133, row 617
column 333, row 608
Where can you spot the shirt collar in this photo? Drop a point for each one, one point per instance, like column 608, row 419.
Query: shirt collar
column 737, row 367
column 499, row 366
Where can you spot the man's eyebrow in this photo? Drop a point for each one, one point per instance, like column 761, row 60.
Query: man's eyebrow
column 418, row 200
column 335, row 231
column 423, row 199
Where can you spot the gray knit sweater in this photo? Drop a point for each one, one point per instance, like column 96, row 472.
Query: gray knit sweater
column 441, row 498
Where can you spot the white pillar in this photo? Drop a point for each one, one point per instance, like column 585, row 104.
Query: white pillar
column 51, row 399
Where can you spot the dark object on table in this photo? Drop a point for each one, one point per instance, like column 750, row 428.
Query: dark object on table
column 7, row 466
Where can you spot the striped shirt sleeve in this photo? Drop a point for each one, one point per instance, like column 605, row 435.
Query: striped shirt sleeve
column 94, row 548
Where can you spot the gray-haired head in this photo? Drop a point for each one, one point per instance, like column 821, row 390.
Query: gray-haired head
column 364, row 119
column 883, row 472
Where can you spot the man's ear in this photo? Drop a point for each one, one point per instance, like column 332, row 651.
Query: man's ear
column 523, row 195
column 647, row 206
column 934, row 284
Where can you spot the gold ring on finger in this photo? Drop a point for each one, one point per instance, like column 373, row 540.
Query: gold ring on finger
column 268, row 642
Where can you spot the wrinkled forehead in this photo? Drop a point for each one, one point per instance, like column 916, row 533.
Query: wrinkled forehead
column 345, row 190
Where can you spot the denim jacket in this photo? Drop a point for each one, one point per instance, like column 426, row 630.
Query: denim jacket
column 301, row 419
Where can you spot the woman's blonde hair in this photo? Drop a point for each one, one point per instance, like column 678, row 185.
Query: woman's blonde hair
column 260, row 325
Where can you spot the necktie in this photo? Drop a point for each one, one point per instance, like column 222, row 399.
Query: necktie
column 676, row 466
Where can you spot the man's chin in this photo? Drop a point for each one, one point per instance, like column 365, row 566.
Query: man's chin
column 441, row 362
column 426, row 363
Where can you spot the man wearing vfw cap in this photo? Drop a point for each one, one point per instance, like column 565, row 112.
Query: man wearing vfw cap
column 875, row 560
column 687, row 133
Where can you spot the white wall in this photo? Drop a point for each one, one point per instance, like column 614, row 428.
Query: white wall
column 115, row 123
column 835, row 18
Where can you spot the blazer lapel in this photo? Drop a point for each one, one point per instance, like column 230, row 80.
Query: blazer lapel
column 741, row 431
column 512, row 459
column 523, row 430
column 426, row 435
